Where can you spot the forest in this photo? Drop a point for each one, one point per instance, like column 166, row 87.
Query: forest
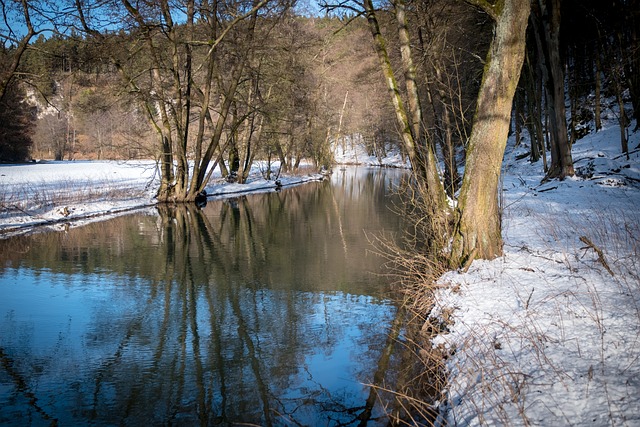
column 201, row 84
column 305, row 79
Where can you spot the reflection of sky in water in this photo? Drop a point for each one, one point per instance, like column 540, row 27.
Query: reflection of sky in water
column 74, row 339
column 254, row 311
column 54, row 306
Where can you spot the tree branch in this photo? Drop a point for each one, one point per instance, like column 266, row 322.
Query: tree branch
column 598, row 251
column 485, row 6
column 8, row 74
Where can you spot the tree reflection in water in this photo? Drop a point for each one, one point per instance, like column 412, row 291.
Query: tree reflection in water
column 256, row 310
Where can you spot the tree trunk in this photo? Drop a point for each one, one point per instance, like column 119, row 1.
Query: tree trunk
column 392, row 86
column 425, row 150
column 518, row 117
column 597, row 113
column 573, row 103
column 632, row 65
column 477, row 233
column 451, row 177
column 623, row 121
column 422, row 161
column 534, row 112
column 561, row 160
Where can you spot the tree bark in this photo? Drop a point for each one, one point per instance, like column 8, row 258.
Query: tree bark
column 477, row 233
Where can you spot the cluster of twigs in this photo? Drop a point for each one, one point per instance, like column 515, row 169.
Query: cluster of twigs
column 414, row 261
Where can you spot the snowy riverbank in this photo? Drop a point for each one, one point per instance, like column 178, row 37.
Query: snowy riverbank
column 56, row 195
column 549, row 333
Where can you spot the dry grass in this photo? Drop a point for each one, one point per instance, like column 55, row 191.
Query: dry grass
column 501, row 364
column 35, row 198
column 414, row 266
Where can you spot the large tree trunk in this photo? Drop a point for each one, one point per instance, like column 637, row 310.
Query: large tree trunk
column 477, row 233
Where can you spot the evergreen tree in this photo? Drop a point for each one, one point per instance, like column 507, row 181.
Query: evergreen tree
column 16, row 124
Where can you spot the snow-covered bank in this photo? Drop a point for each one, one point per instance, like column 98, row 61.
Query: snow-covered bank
column 549, row 333
column 56, row 194
column 352, row 151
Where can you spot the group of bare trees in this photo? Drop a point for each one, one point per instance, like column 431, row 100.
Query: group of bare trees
column 210, row 83
column 219, row 83
column 452, row 71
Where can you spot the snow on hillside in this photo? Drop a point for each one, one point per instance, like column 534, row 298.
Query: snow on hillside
column 59, row 194
column 549, row 333
column 352, row 151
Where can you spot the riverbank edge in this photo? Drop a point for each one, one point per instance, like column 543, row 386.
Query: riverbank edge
column 76, row 215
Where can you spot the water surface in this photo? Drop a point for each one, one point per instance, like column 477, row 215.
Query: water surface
column 264, row 309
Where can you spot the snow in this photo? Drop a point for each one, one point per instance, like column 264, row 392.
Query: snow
column 543, row 335
column 351, row 150
column 59, row 194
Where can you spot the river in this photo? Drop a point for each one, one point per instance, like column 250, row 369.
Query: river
column 266, row 309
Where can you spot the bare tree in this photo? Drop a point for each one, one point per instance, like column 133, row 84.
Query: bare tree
column 425, row 158
column 546, row 26
column 193, row 56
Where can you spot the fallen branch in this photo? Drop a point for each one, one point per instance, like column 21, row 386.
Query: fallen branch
column 591, row 245
column 547, row 189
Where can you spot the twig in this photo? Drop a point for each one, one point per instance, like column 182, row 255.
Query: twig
column 547, row 189
column 529, row 299
column 590, row 245
column 469, row 261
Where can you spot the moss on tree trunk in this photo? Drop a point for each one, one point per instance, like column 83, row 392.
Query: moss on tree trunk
column 477, row 233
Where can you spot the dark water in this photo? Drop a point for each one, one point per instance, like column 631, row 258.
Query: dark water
column 264, row 310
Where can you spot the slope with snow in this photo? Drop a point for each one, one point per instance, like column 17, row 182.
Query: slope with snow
column 549, row 333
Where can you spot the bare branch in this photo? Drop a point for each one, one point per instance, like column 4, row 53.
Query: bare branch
column 345, row 4
column 485, row 6
column 6, row 77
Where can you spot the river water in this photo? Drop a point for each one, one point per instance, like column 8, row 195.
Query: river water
column 265, row 309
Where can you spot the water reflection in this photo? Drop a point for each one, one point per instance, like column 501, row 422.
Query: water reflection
column 261, row 310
